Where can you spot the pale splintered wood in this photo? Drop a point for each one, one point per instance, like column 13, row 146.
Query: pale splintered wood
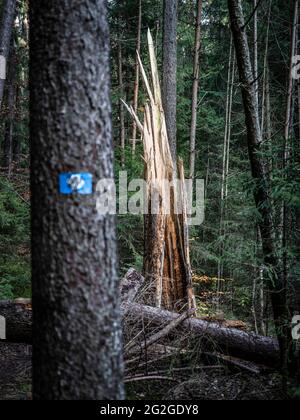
column 166, row 257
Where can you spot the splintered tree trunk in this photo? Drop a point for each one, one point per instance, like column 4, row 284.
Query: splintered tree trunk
column 196, row 76
column 137, row 78
column 76, row 311
column 169, row 85
column 9, row 10
column 264, row 206
column 166, row 258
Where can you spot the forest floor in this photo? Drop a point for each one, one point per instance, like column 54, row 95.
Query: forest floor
column 15, row 371
column 208, row 383
column 212, row 385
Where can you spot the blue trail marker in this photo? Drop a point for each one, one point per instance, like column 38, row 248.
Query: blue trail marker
column 76, row 183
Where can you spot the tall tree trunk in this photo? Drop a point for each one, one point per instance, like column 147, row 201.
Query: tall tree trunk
column 9, row 10
column 10, row 116
column 265, row 106
column 170, row 71
column 263, row 204
column 226, row 157
column 266, row 132
column 291, row 83
column 121, row 107
column 196, row 76
column 287, row 131
column 76, row 315
column 16, row 148
column 137, row 77
column 255, row 51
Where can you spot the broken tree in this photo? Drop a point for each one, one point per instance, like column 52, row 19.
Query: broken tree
column 166, row 255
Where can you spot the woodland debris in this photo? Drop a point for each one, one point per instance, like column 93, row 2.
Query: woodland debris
column 209, row 336
column 233, row 342
column 129, row 287
column 18, row 317
column 160, row 334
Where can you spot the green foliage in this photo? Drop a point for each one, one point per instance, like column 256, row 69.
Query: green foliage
column 130, row 227
column 14, row 243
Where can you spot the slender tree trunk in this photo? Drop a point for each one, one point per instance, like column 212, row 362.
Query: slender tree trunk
column 10, row 117
column 298, row 108
column 291, row 83
column 268, row 107
column 262, row 301
column 9, row 10
column 170, row 71
column 76, row 312
column 121, row 106
column 255, row 52
column 207, row 172
column 226, row 157
column 265, row 107
column 262, row 199
column 196, row 77
column 254, row 292
column 16, row 148
column 266, row 133
column 287, row 131
column 137, row 78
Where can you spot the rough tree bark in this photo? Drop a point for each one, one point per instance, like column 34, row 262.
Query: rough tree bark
column 77, row 349
column 169, row 84
column 275, row 281
column 196, row 76
column 9, row 10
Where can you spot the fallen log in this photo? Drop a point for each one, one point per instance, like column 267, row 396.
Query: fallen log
column 232, row 342
column 236, row 343
column 18, row 320
column 18, row 313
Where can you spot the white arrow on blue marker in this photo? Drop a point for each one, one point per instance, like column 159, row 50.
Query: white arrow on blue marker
column 76, row 183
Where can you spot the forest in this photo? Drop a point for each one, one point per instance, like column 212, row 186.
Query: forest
column 150, row 200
